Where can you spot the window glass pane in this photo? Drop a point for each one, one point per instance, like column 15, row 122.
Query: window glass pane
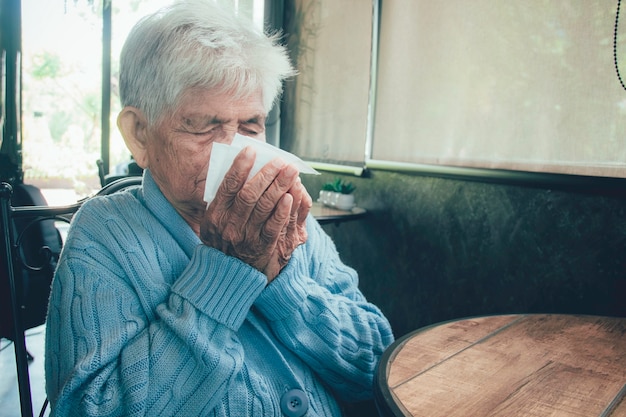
column 124, row 15
column 61, row 100
column 527, row 85
column 62, row 83
column 324, row 116
column 62, row 92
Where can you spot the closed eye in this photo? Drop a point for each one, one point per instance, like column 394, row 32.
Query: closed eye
column 252, row 127
column 248, row 132
column 203, row 133
column 199, row 125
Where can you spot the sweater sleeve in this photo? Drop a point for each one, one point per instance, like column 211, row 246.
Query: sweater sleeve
column 108, row 353
column 316, row 309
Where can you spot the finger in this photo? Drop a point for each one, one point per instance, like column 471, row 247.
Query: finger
column 273, row 193
column 256, row 188
column 276, row 223
column 237, row 202
column 235, row 178
column 222, row 223
column 291, row 227
column 305, row 208
column 296, row 192
column 305, row 202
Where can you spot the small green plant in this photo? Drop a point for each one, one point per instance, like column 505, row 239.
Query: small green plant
column 339, row 186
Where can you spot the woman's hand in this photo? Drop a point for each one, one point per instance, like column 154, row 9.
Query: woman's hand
column 260, row 221
column 294, row 233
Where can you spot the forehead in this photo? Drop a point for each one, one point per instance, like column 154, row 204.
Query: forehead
column 223, row 105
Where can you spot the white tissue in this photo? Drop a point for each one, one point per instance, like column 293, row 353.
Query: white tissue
column 222, row 157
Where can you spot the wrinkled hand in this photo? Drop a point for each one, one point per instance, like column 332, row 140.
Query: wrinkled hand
column 294, row 233
column 260, row 221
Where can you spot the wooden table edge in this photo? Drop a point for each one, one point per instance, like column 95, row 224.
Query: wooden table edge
column 386, row 403
column 383, row 397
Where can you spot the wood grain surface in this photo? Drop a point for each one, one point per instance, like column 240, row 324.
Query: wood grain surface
column 513, row 365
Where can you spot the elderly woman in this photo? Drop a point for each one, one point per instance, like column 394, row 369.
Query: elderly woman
column 163, row 306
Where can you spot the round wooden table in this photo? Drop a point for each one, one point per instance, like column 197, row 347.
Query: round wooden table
column 511, row 365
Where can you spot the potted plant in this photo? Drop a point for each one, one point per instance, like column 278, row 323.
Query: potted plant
column 338, row 194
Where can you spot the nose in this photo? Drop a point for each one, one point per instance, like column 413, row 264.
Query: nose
column 227, row 134
column 226, row 137
column 230, row 135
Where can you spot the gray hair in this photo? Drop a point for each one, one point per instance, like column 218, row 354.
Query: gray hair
column 197, row 44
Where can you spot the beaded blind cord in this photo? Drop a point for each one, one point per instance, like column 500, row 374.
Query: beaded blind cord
column 619, row 76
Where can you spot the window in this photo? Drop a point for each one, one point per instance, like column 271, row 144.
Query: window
column 523, row 86
column 62, row 92
column 63, row 126
column 527, row 85
column 325, row 110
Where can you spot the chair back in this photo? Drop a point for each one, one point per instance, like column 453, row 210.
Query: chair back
column 32, row 244
column 39, row 245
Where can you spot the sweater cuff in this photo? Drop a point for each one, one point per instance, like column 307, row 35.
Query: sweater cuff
column 284, row 295
column 222, row 287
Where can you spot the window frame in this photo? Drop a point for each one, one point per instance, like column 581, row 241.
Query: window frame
column 580, row 183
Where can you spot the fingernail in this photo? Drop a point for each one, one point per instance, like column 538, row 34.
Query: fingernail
column 278, row 163
column 291, row 170
column 249, row 151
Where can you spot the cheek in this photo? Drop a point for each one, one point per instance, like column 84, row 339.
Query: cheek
column 183, row 159
column 191, row 167
column 179, row 162
column 159, row 151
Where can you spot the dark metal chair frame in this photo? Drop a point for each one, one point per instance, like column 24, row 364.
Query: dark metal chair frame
column 15, row 262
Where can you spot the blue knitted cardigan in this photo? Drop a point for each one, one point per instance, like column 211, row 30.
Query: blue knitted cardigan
column 145, row 320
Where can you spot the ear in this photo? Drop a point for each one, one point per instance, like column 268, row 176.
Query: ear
column 134, row 127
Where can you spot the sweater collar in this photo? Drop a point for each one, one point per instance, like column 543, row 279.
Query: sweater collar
column 168, row 216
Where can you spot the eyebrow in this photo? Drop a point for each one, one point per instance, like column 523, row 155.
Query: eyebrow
column 255, row 120
column 201, row 122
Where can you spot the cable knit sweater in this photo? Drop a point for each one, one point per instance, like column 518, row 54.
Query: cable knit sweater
column 146, row 320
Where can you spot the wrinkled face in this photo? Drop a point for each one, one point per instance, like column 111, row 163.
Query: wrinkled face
column 179, row 146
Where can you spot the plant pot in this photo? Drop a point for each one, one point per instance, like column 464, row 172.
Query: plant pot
column 336, row 200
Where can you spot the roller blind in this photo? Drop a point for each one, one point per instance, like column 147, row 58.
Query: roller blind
column 324, row 111
column 525, row 85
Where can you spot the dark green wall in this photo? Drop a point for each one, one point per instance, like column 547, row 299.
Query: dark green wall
column 434, row 249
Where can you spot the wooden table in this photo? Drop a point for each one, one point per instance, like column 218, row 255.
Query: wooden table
column 326, row 215
column 512, row 365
